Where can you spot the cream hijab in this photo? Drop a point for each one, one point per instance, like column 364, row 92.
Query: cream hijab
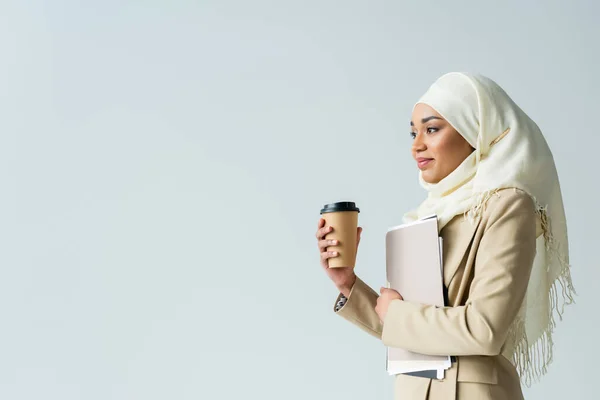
column 510, row 152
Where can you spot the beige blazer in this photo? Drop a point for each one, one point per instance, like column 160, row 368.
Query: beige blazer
column 486, row 269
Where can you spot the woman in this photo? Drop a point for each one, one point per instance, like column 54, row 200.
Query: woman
column 492, row 182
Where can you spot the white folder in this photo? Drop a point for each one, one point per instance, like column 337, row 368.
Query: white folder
column 414, row 268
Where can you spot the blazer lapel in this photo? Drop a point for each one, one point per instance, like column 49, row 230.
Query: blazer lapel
column 457, row 237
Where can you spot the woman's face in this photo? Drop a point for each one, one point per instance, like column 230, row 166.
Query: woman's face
column 437, row 147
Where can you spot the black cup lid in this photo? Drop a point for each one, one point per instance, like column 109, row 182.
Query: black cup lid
column 340, row 206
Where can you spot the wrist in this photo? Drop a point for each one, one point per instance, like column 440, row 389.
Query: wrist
column 347, row 286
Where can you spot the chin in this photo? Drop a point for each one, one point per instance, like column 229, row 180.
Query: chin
column 429, row 178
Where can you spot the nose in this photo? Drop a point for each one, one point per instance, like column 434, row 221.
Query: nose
column 418, row 144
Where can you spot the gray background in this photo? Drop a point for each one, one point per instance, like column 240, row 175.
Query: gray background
column 163, row 164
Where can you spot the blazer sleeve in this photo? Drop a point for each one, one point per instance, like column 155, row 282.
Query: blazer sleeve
column 503, row 265
column 359, row 308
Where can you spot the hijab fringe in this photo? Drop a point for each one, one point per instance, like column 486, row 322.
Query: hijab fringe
column 532, row 359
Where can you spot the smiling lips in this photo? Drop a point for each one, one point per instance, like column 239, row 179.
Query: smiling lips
column 423, row 162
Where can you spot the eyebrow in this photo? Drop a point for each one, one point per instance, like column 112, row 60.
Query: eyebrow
column 425, row 120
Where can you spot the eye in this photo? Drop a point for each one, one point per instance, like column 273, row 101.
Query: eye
column 413, row 135
column 431, row 129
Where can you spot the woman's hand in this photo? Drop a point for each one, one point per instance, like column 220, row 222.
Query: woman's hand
column 384, row 300
column 342, row 277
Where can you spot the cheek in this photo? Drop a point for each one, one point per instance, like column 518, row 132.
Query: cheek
column 450, row 152
column 456, row 152
column 441, row 148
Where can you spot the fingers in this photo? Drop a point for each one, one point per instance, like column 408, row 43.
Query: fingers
column 320, row 226
column 325, row 255
column 323, row 244
column 389, row 293
column 323, row 231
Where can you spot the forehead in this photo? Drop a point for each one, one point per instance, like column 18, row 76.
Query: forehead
column 422, row 111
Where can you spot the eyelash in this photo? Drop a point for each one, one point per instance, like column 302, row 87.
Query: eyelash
column 431, row 128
